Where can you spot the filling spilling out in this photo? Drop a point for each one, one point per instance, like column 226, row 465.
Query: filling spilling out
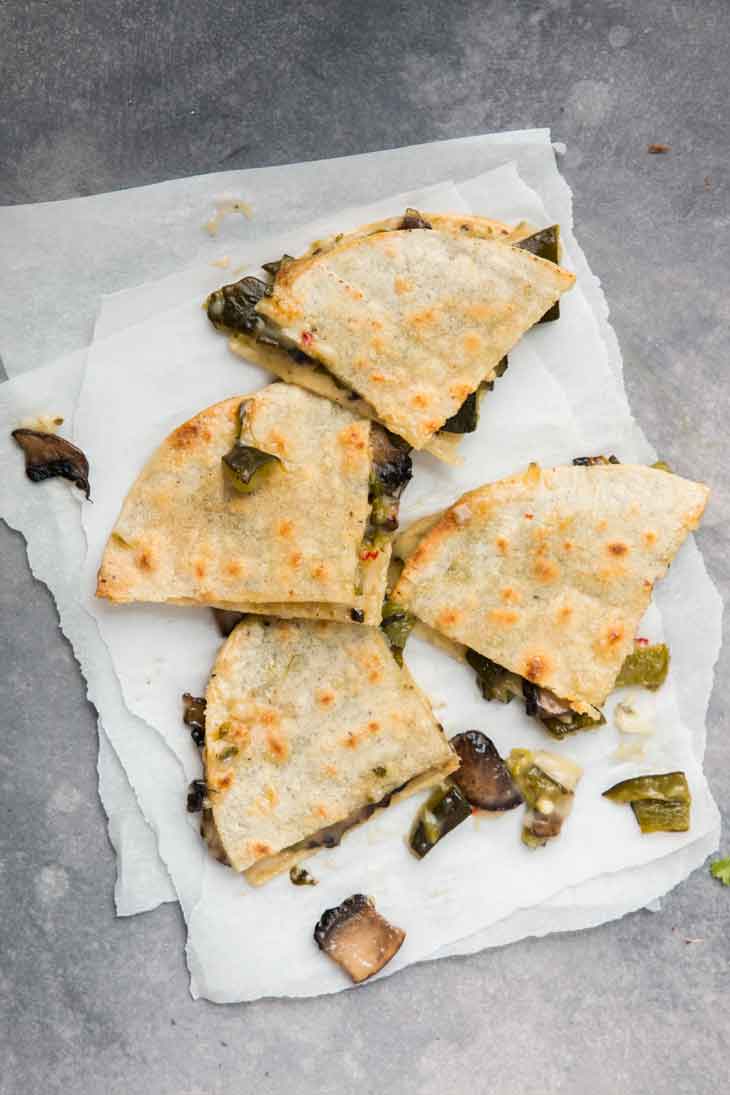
column 247, row 469
column 232, row 309
column 329, row 836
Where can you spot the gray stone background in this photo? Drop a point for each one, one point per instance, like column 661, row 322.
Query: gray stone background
column 95, row 96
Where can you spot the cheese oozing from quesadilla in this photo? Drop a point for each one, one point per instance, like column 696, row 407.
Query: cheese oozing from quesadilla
column 310, row 728
column 278, row 502
column 402, row 320
column 547, row 574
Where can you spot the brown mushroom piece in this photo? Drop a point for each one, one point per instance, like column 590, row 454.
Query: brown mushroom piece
column 194, row 717
column 483, row 778
column 227, row 620
column 357, row 937
column 47, row 455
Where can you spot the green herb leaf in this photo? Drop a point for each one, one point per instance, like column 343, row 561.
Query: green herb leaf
column 720, row 869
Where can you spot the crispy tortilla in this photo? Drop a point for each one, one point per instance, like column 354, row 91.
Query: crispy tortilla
column 548, row 573
column 308, row 725
column 413, row 320
column 294, row 546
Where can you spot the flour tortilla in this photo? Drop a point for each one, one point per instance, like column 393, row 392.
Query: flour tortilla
column 549, row 572
column 306, row 724
column 413, row 320
column 292, row 547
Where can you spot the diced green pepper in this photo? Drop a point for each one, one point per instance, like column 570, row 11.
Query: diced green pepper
column 443, row 810
column 661, row 804
column 247, row 468
column 560, row 726
column 397, row 625
column 646, row 666
column 547, row 782
column 495, row 682
column 661, row 817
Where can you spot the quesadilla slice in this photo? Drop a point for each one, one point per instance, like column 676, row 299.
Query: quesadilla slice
column 278, row 502
column 402, row 320
column 542, row 578
column 310, row 728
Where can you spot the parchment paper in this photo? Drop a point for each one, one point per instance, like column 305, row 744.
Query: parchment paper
column 554, row 402
column 159, row 653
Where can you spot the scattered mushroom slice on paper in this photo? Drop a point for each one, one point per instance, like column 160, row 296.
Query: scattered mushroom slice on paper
column 47, row 455
column 357, row 937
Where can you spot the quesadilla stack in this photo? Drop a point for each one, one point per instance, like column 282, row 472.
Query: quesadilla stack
column 279, row 502
column 310, row 728
column 402, row 320
column 543, row 578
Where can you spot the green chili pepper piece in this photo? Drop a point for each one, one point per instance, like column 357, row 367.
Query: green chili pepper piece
column 646, row 666
column 444, row 809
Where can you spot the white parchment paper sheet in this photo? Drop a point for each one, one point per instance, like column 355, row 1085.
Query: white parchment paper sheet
column 159, row 652
column 556, row 407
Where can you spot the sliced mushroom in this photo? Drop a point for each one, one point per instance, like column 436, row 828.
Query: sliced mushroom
column 357, row 937
column 47, row 455
column 483, row 778
column 443, row 810
column 196, row 796
column 590, row 461
column 413, row 219
column 392, row 464
column 299, row 876
column 547, row 782
column 227, row 620
column 194, row 717
column 557, row 716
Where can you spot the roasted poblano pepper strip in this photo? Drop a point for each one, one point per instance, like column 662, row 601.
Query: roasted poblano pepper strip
column 273, row 268
column 466, row 418
column 559, row 726
column 547, row 783
column 246, row 468
column 397, row 625
column 233, row 307
column 546, row 245
column 495, row 682
column 661, row 804
column 646, row 666
column 443, row 810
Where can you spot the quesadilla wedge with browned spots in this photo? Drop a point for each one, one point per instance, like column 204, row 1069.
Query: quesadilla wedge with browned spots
column 541, row 579
column 310, row 728
column 404, row 320
column 277, row 502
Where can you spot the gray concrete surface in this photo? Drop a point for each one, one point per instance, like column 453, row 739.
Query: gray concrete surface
column 97, row 96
